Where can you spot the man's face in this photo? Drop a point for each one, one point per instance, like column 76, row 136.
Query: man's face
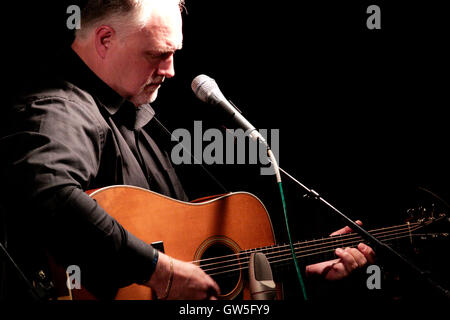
column 139, row 63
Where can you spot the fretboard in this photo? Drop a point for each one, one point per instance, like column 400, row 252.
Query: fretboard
column 324, row 248
column 311, row 251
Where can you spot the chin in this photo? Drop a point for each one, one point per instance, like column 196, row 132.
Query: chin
column 144, row 98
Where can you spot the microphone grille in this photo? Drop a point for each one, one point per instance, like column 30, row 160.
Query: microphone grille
column 202, row 85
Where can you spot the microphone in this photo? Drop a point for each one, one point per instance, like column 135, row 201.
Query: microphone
column 262, row 286
column 207, row 90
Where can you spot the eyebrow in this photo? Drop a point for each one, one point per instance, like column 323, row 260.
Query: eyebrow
column 164, row 51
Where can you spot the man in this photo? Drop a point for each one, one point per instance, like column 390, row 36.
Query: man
column 90, row 126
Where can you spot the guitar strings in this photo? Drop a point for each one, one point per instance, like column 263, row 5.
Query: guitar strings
column 275, row 258
column 244, row 266
column 332, row 239
column 332, row 247
column 329, row 248
column 342, row 237
column 333, row 244
column 341, row 243
column 282, row 253
column 286, row 259
column 311, row 251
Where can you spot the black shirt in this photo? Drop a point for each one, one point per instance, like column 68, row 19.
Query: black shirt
column 70, row 135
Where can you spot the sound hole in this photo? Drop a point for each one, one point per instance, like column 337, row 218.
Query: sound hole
column 222, row 264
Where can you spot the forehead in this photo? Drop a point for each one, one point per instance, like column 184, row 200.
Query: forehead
column 163, row 30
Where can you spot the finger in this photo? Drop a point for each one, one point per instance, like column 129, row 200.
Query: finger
column 367, row 252
column 348, row 260
column 335, row 271
column 341, row 231
column 213, row 287
column 345, row 229
column 212, row 293
column 358, row 256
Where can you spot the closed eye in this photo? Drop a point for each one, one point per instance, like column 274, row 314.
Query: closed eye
column 159, row 55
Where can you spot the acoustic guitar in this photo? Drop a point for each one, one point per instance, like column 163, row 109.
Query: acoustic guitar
column 217, row 233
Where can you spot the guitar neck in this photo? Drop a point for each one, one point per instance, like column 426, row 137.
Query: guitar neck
column 308, row 252
column 323, row 249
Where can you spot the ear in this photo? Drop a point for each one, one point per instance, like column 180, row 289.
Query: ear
column 103, row 40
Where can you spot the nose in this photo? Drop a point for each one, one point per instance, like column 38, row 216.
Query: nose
column 166, row 67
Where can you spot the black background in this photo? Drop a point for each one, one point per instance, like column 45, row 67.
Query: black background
column 361, row 113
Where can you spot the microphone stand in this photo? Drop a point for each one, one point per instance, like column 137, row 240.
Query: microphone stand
column 382, row 249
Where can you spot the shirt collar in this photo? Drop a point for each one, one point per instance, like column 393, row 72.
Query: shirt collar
column 134, row 118
column 77, row 72
column 144, row 114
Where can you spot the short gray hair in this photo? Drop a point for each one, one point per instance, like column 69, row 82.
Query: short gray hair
column 122, row 15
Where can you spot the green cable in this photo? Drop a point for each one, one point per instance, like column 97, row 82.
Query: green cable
column 299, row 274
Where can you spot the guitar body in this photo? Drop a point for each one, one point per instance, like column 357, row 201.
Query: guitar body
column 188, row 231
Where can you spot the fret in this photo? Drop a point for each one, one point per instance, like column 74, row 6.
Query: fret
column 409, row 231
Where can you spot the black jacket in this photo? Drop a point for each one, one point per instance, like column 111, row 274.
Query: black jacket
column 68, row 134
